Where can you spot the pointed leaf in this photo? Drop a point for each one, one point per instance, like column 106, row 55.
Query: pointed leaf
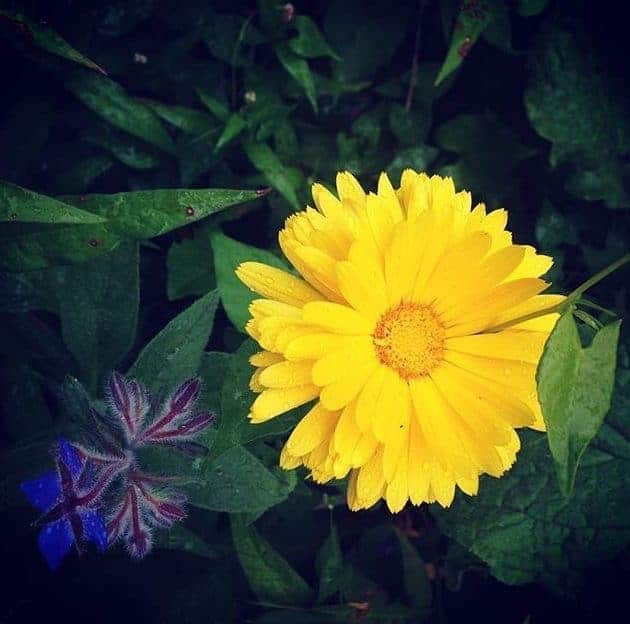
column 472, row 19
column 47, row 39
column 270, row 576
column 111, row 101
column 189, row 266
column 310, row 42
column 299, row 70
column 575, row 387
column 175, row 353
column 417, row 584
column 18, row 204
column 330, row 567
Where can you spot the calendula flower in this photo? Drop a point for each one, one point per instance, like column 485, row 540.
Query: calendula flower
column 397, row 330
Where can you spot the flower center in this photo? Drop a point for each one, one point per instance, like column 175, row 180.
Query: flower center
column 410, row 339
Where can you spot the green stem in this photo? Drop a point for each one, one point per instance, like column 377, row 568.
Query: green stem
column 571, row 298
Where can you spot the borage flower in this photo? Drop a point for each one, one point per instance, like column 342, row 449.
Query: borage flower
column 67, row 498
column 398, row 330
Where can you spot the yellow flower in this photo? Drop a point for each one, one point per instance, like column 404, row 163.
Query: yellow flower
column 390, row 331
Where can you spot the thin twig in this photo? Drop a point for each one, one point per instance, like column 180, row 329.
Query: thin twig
column 413, row 79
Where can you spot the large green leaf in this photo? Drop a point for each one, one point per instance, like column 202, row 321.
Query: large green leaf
column 472, row 19
column 575, row 386
column 111, row 101
column 176, row 352
column 575, row 105
column 228, row 254
column 98, row 306
column 527, row 531
column 269, row 575
column 18, row 204
column 39, row 246
column 145, row 214
column 47, row 39
column 238, row 482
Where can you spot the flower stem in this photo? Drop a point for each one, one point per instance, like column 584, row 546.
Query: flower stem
column 571, row 298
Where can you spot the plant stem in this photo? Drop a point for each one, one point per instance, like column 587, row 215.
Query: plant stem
column 571, row 298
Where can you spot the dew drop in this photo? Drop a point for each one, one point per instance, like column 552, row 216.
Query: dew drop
column 93, row 242
column 190, row 211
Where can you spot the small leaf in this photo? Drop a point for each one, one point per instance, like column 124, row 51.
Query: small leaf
column 228, row 254
column 189, row 266
column 98, row 307
column 145, row 214
column 47, row 39
column 310, row 42
column 269, row 575
column 472, row 19
column 418, row 158
column 299, row 70
column 218, row 109
column 330, row 567
column 189, row 120
column 178, row 537
column 111, row 101
column 233, row 127
column 575, row 387
column 80, row 176
column 268, row 163
column 417, row 584
column 175, row 353
column 127, row 149
column 18, row 204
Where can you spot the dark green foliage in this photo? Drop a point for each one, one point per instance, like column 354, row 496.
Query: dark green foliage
column 148, row 148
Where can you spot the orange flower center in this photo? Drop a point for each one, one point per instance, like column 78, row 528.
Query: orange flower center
column 410, row 339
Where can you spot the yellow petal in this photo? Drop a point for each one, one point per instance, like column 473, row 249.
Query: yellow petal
column 279, row 400
column 276, row 284
column 371, row 482
column 357, row 290
column 286, row 374
column 314, row 429
column 314, row 346
column 509, row 345
column 338, row 364
column 265, row 358
column 336, row 318
column 339, row 393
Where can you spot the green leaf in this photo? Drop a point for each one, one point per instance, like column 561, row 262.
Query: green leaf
column 526, row 530
column 269, row 575
column 175, row 353
column 575, row 386
column 98, row 306
column 218, row 109
column 299, row 70
column 213, row 372
column 330, row 566
column 310, row 42
column 21, row 205
column 189, row 266
column 41, row 246
column 472, row 19
column 47, row 39
column 189, row 120
column 268, row 163
column 111, row 101
column 127, row 149
column 228, row 254
column 571, row 102
column 234, row 126
column 238, row 482
column 145, row 214
column 410, row 127
column 417, row 584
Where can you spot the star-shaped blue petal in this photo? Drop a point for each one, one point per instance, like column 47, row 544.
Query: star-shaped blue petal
column 55, row 541
column 43, row 492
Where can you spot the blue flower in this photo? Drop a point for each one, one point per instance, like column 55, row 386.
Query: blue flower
column 68, row 513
